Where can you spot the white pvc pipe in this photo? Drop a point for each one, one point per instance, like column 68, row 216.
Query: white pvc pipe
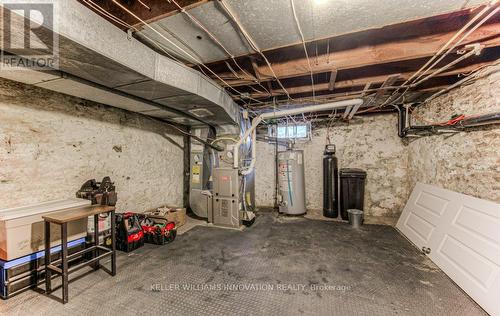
column 270, row 115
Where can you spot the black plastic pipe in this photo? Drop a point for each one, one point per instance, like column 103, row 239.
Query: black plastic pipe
column 403, row 130
column 481, row 120
column 401, row 121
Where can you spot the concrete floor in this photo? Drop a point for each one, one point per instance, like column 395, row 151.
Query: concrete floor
column 377, row 220
column 279, row 266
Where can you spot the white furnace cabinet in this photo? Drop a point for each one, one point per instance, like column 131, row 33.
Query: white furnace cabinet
column 22, row 229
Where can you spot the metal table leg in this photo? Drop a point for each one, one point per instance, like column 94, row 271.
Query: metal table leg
column 113, row 244
column 63, row 270
column 48, row 273
column 96, row 240
column 64, row 261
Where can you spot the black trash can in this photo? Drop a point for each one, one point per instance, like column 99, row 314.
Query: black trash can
column 352, row 190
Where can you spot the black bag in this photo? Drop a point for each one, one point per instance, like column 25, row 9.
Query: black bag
column 129, row 234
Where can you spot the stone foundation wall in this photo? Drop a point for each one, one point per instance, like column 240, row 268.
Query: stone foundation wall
column 51, row 143
column 369, row 143
column 466, row 162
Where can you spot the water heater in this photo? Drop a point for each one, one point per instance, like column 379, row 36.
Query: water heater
column 291, row 182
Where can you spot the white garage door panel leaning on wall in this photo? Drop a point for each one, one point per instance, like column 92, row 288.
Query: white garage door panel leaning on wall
column 461, row 234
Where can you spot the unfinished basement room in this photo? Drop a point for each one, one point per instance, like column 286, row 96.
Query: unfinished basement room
column 250, row 157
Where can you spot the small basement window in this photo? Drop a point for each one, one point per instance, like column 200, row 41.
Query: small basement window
column 295, row 131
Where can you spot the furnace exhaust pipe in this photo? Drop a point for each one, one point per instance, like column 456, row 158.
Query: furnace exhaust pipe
column 270, row 115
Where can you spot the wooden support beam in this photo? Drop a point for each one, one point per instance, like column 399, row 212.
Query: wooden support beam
column 347, row 112
column 270, row 88
column 387, row 83
column 353, row 111
column 366, row 88
column 156, row 10
column 361, row 81
column 255, row 69
column 337, row 97
column 333, row 77
column 387, row 52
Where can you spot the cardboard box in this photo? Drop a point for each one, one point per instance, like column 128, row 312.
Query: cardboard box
column 169, row 214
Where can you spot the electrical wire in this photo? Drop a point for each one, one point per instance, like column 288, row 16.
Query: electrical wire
column 197, row 61
column 251, row 43
column 128, row 26
column 426, row 66
column 470, row 77
column 475, row 51
column 331, row 124
column 453, row 121
column 305, row 48
column 201, row 26
column 459, row 41
column 144, row 5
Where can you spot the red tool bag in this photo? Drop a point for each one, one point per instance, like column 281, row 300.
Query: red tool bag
column 157, row 231
column 129, row 234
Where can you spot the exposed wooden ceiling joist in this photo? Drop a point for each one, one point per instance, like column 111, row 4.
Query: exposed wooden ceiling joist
column 148, row 11
column 306, row 99
column 387, row 83
column 333, row 78
column 344, row 84
column 402, row 50
column 431, row 86
column 341, row 65
column 447, row 22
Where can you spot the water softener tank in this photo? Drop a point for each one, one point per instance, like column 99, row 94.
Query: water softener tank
column 330, row 181
column 291, row 182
